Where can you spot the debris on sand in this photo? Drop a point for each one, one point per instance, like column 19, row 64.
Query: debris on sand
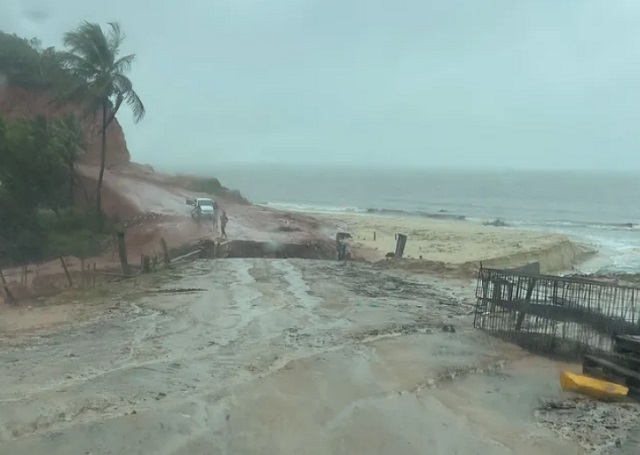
column 498, row 222
column 448, row 328
column 596, row 425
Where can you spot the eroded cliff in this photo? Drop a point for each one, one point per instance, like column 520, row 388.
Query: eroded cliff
column 17, row 102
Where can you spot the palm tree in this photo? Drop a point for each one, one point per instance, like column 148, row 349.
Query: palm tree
column 92, row 58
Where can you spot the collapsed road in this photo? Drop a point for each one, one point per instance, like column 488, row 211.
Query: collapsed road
column 254, row 356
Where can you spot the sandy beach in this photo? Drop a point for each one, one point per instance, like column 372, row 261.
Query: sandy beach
column 457, row 244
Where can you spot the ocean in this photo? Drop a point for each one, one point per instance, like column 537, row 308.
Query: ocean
column 597, row 208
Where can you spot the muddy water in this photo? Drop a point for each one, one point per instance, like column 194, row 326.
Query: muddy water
column 273, row 356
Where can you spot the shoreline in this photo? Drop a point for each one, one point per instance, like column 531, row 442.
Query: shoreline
column 451, row 245
column 442, row 214
column 614, row 236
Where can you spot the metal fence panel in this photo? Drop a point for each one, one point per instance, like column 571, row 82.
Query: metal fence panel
column 558, row 316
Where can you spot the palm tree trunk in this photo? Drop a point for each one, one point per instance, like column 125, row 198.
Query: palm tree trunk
column 103, row 155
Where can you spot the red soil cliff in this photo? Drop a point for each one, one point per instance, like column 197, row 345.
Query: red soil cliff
column 16, row 102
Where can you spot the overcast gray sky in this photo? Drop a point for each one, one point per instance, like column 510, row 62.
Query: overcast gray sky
column 526, row 84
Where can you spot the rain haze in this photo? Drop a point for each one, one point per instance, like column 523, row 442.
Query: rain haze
column 492, row 84
column 328, row 209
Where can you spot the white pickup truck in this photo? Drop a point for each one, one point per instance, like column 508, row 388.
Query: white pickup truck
column 203, row 208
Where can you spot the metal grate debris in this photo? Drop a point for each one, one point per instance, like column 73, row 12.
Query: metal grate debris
column 557, row 316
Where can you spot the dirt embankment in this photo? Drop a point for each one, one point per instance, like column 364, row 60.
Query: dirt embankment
column 152, row 206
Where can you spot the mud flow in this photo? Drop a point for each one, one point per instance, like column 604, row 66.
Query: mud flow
column 255, row 356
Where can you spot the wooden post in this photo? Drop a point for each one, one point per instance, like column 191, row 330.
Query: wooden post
column 66, row 272
column 82, row 277
column 93, row 277
column 122, row 252
column 374, row 236
column 165, row 252
column 10, row 296
column 400, row 244
column 145, row 263
column 24, row 275
column 114, row 245
column 7, row 292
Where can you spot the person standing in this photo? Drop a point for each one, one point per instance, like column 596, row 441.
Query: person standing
column 223, row 224
column 215, row 215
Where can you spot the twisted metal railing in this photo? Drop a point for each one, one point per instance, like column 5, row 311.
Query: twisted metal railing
column 552, row 315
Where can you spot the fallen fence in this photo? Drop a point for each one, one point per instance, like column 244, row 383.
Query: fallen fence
column 558, row 316
column 48, row 279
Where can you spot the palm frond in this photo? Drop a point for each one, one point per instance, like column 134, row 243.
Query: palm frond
column 124, row 86
column 115, row 37
column 78, row 66
column 89, row 42
column 134, row 101
column 79, row 43
column 123, row 64
column 122, row 83
column 92, row 58
column 97, row 39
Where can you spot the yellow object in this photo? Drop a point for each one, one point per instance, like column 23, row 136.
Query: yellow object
column 592, row 387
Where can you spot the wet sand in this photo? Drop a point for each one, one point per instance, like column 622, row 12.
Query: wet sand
column 272, row 356
column 458, row 244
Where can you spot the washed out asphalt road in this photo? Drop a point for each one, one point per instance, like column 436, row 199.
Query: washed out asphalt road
column 260, row 356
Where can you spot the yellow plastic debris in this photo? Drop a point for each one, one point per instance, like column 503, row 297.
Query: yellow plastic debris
column 595, row 388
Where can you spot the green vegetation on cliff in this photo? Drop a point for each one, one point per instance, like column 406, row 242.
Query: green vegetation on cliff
column 24, row 63
column 37, row 179
column 210, row 186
